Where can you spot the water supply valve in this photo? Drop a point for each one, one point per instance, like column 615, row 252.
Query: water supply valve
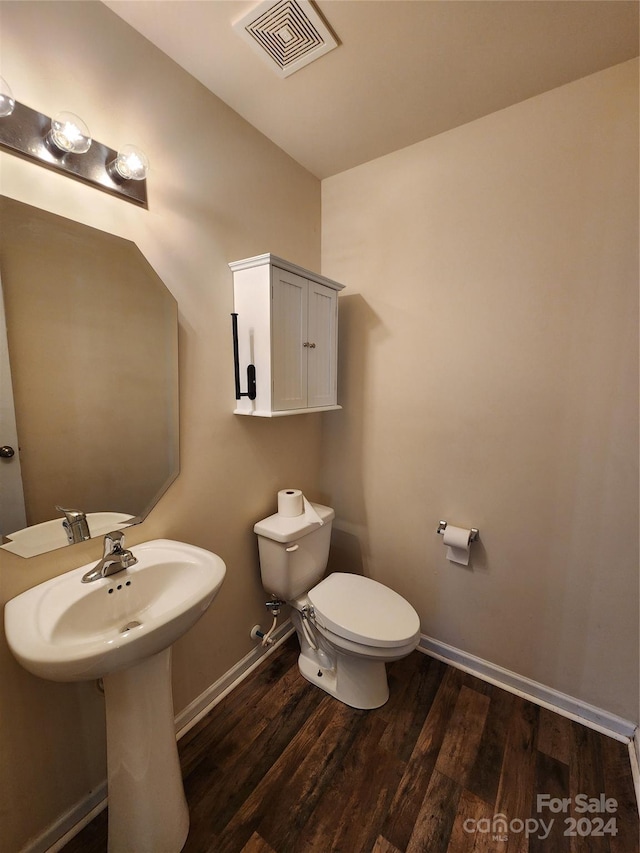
column 274, row 606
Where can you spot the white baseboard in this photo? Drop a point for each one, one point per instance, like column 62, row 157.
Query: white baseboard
column 201, row 706
column 70, row 823
column 54, row 838
column 568, row 706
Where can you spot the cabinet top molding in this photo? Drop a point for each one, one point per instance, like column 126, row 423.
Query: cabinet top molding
column 274, row 260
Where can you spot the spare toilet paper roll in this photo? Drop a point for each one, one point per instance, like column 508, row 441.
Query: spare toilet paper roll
column 290, row 503
column 458, row 541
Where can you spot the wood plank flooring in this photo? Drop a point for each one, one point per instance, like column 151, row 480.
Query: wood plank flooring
column 450, row 764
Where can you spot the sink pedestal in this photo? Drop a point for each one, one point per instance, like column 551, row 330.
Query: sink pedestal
column 147, row 807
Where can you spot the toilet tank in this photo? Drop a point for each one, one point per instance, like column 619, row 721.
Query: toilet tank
column 293, row 552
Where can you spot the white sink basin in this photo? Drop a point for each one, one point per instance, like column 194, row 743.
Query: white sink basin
column 66, row 630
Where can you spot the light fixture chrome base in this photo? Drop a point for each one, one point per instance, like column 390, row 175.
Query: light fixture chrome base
column 24, row 133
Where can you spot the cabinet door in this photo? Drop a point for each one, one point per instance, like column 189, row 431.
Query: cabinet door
column 323, row 346
column 289, row 335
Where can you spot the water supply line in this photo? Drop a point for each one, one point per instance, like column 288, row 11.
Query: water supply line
column 306, row 629
column 266, row 638
column 274, row 606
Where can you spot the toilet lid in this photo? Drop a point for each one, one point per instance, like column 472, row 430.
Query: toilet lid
column 363, row 610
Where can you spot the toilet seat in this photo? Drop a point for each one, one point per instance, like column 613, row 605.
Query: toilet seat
column 364, row 611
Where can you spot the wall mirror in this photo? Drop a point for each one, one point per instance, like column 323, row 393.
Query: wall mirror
column 89, row 380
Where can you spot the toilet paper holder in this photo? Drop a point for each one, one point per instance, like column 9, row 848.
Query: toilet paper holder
column 475, row 533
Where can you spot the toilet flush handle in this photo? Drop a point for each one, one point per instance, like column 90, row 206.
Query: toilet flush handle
column 291, row 548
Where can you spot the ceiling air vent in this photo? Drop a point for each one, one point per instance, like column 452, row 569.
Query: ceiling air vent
column 289, row 34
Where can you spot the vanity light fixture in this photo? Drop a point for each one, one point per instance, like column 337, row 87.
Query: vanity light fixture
column 7, row 101
column 69, row 134
column 131, row 164
column 64, row 144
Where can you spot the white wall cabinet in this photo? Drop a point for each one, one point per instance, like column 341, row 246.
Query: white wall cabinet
column 288, row 328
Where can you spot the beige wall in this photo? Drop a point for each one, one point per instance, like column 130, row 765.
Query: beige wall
column 489, row 376
column 218, row 191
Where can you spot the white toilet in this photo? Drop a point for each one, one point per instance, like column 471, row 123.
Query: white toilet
column 348, row 625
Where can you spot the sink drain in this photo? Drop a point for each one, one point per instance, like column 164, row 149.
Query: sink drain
column 129, row 626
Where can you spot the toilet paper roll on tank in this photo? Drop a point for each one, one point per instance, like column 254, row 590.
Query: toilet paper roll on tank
column 292, row 503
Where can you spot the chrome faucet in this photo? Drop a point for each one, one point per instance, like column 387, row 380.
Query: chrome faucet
column 115, row 558
column 75, row 525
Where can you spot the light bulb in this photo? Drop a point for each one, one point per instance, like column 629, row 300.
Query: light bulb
column 69, row 133
column 132, row 164
column 7, row 101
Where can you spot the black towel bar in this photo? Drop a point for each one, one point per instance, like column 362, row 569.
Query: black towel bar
column 251, row 369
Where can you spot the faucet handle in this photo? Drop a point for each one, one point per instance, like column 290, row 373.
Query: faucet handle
column 113, row 542
column 71, row 514
column 75, row 524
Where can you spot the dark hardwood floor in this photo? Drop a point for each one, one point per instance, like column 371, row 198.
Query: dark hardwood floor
column 450, row 763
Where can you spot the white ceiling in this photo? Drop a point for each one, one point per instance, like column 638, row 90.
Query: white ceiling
column 405, row 69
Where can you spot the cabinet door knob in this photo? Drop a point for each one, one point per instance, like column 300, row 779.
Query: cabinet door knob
column 6, row 452
column 312, row 346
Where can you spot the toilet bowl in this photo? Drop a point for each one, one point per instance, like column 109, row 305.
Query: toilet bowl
column 348, row 626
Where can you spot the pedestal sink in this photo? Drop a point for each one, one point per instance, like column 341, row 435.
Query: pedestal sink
column 121, row 629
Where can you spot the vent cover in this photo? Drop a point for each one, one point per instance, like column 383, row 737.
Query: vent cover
column 289, row 34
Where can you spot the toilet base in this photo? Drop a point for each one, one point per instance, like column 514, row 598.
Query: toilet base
column 357, row 682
